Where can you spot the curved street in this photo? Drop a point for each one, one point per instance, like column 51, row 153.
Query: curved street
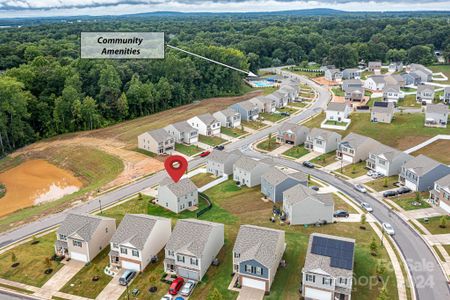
column 429, row 280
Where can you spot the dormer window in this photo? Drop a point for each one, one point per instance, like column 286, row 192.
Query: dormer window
column 237, row 255
column 63, row 237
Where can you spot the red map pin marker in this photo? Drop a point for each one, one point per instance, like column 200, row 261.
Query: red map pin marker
column 175, row 166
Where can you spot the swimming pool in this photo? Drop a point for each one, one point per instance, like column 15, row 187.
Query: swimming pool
column 261, row 83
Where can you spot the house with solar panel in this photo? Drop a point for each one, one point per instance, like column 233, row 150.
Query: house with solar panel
column 328, row 270
column 382, row 112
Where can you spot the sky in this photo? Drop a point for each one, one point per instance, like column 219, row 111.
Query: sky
column 45, row 8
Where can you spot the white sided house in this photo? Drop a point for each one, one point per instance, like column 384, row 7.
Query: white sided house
column 248, row 171
column 192, row 247
column 206, row 124
column 137, row 240
column 387, row 160
column 81, row 236
column 436, row 115
column 322, row 141
column 375, row 83
column 177, row 196
column 221, row 163
column 338, row 112
column 183, row 132
column 228, row 118
column 355, row 148
column 157, row 141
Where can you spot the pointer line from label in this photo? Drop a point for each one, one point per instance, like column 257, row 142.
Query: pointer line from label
column 251, row 74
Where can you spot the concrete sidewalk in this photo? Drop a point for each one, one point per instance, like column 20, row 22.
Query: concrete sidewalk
column 308, row 157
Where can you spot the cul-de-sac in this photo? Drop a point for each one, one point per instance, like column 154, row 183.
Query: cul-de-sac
column 310, row 150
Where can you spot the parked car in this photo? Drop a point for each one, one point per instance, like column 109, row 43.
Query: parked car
column 308, row 164
column 187, row 288
column 360, row 188
column 176, row 285
column 341, row 214
column 370, row 173
column 205, row 153
column 389, row 194
column 126, row 277
column 285, row 114
column 388, row 228
column 377, row 175
column 403, row 190
column 219, row 147
column 167, row 297
column 367, row 206
column 315, row 188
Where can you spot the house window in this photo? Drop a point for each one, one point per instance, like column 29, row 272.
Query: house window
column 237, row 255
column 135, row 253
column 170, row 253
column 115, row 245
column 77, row 243
column 259, row 271
column 123, row 250
column 310, row 278
column 180, row 258
column 62, row 237
column 326, row 281
column 194, row 261
column 343, row 280
column 248, row 268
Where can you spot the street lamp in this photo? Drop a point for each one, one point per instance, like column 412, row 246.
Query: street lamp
column 100, row 204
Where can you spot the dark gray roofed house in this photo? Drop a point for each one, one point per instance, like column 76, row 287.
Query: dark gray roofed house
column 221, row 163
column 292, row 133
column 248, row 171
column 382, row 112
column 274, row 182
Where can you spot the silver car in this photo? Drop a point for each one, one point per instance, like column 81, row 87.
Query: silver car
column 360, row 188
column 367, row 206
column 187, row 288
column 388, row 228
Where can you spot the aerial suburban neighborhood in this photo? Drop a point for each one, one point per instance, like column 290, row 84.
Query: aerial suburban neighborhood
column 296, row 154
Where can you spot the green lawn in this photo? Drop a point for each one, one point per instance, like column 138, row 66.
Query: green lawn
column 447, row 248
column 256, row 125
column 306, row 74
column 409, row 101
column 325, row 159
column 289, row 110
column 202, row 179
column 32, row 262
column 444, row 69
column 338, row 91
column 137, row 205
column 433, row 225
column 408, row 201
column 233, row 132
column 188, row 150
column 145, row 152
column 298, row 104
column 382, row 184
column 340, row 204
column 269, row 90
column 296, row 152
column 272, row 117
column 337, row 123
column 438, row 150
column 407, row 89
column 210, row 140
column 407, row 130
column 354, row 170
column 83, row 285
column 268, row 145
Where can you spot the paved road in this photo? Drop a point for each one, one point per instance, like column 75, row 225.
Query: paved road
column 429, row 280
column 5, row 295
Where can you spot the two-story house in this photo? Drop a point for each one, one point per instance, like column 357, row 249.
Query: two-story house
column 354, row 94
column 247, row 109
column 395, row 67
column 182, row 132
column 337, row 111
column 221, row 163
column 274, row 182
column 291, row 91
column 177, row 196
column 228, row 118
column 425, row 94
column 375, row 83
column 257, row 253
column 440, row 194
column 351, row 73
column 374, row 66
column 421, row 172
column 192, row 247
column 351, row 83
column 157, row 141
column 328, row 270
column 425, row 74
column 303, row 205
column 137, row 240
column 81, row 236
column 248, row 171
column 265, row 104
column 391, row 93
column 411, row 78
column 206, row 124
column 333, row 75
column 387, row 160
column 446, row 96
column 292, row 133
column 436, row 115
column 382, row 112
column 322, row 141
column 355, row 148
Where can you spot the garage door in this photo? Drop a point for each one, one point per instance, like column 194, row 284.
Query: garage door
column 131, row 266
column 317, row 294
column 347, row 158
column 79, row 256
column 253, row 283
column 189, row 274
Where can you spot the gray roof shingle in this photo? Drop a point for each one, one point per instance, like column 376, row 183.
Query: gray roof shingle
column 299, row 193
column 439, row 108
column 421, row 164
column 180, row 188
column 207, row 118
column 183, row 126
column 248, row 164
column 336, row 106
column 274, row 176
column 159, row 135
column 83, row 225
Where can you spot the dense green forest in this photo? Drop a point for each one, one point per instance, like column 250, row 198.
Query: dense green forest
column 45, row 89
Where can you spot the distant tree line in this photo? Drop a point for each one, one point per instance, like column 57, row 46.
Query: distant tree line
column 46, row 89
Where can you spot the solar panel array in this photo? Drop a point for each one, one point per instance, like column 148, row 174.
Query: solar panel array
column 340, row 252
column 381, row 104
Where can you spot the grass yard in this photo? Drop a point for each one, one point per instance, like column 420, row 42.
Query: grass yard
column 269, row 90
column 433, row 225
column 233, row 132
column 256, row 125
column 32, row 262
column 289, row 110
column 447, row 248
column 211, row 140
column 307, row 74
column 188, row 150
column 338, row 91
column 137, row 205
column 93, row 167
column 341, row 204
column 407, row 201
column 83, row 285
column 299, row 104
column 202, row 179
column 439, row 150
column 268, row 144
column 325, row 159
column 407, row 130
column 296, row 152
column 337, row 123
column 354, row 170
column 409, row 101
column 407, row 89
column 382, row 184
column 272, row 117
column 442, row 68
